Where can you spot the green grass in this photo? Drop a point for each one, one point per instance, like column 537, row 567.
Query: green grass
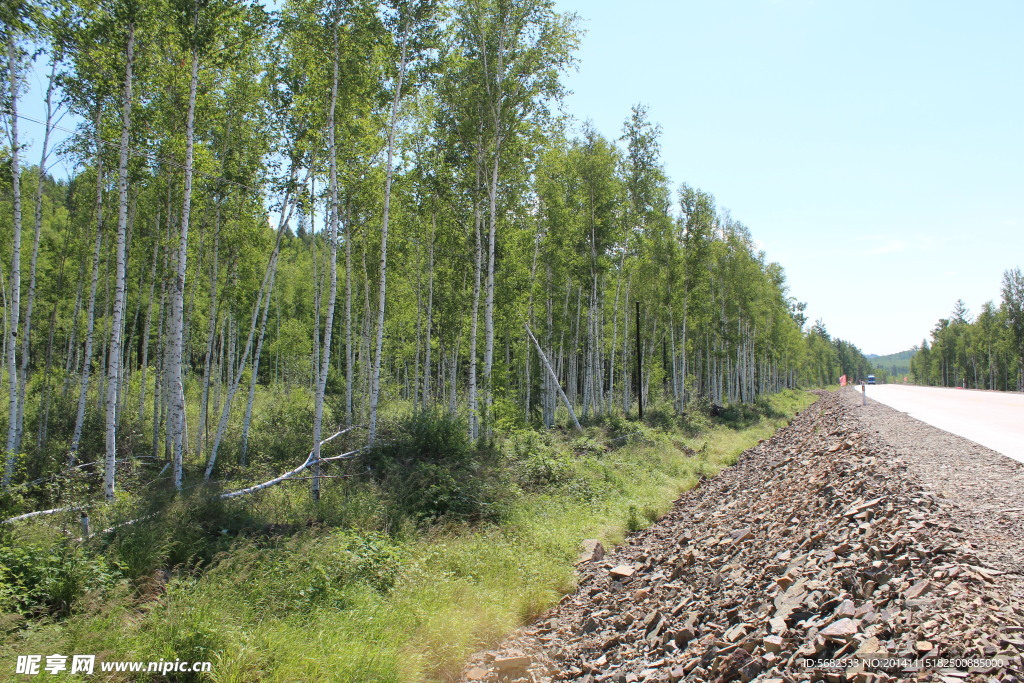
column 365, row 595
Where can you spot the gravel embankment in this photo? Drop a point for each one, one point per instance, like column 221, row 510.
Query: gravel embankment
column 855, row 535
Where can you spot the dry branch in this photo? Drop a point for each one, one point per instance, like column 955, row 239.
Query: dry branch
column 37, row 513
column 288, row 475
column 233, row 494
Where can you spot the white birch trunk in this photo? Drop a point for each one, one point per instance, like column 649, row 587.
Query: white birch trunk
column 211, row 335
column 26, row 334
column 236, row 369
column 90, row 321
column 254, row 375
column 430, row 312
column 350, row 354
column 176, row 417
column 389, row 174
column 473, row 327
column 146, row 329
column 321, row 380
column 554, row 379
column 120, row 286
column 14, row 302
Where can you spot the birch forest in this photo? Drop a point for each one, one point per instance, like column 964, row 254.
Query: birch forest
column 344, row 207
column 326, row 316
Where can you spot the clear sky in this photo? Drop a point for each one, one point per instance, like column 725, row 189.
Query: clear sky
column 874, row 149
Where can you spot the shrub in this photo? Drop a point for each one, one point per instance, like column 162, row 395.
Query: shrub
column 170, row 531
column 35, row 578
column 535, row 464
column 281, row 431
column 431, row 470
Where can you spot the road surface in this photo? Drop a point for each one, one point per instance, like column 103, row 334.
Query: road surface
column 991, row 418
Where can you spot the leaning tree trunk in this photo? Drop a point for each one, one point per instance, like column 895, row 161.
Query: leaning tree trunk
column 254, row 375
column 211, row 336
column 262, row 300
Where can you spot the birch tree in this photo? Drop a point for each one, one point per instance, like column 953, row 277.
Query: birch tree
column 129, row 18
column 412, row 22
column 200, row 24
column 518, row 50
column 14, row 18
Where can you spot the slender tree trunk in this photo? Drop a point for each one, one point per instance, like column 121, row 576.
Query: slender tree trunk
column 262, row 300
column 70, row 359
column 159, row 372
column 120, row 286
column 27, row 332
column 211, row 335
column 90, row 322
column 144, row 342
column 527, row 372
column 41, row 434
column 389, row 174
column 3, row 295
column 243, row 458
column 492, row 200
column 430, row 311
column 615, row 334
column 321, row 380
column 176, row 417
column 350, row 353
column 14, row 302
column 101, row 376
column 474, row 324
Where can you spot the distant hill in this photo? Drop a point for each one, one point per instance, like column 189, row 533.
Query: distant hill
column 896, row 364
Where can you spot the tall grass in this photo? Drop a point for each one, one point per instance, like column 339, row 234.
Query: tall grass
column 367, row 584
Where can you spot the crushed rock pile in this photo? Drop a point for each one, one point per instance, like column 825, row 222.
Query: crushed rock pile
column 811, row 559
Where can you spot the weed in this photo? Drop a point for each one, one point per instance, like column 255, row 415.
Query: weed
column 431, row 470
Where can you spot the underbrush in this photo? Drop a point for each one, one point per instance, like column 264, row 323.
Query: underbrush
column 424, row 550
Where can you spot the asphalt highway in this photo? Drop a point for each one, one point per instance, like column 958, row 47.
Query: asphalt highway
column 991, row 418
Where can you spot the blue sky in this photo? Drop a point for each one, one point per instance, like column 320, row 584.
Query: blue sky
column 874, row 149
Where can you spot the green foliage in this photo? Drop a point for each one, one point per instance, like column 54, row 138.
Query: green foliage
column 35, row 578
column 281, row 429
column 309, row 570
column 984, row 353
column 536, row 463
column 431, row 470
column 166, row 531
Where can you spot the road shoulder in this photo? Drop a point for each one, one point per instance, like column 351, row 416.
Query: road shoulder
column 821, row 547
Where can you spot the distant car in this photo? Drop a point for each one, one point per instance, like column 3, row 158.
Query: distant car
column 871, row 379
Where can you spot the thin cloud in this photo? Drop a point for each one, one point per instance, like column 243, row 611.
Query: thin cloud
column 890, row 247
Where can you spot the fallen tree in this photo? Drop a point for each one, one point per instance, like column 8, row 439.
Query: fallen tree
column 310, row 460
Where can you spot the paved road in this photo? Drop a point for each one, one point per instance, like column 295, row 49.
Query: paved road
column 990, row 418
